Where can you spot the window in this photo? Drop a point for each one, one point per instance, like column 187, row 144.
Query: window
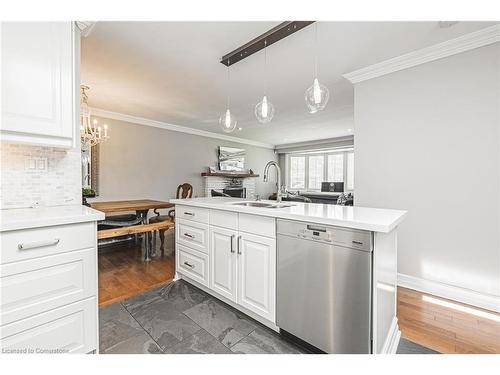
column 306, row 171
column 316, row 170
column 350, row 171
column 297, row 172
column 336, row 167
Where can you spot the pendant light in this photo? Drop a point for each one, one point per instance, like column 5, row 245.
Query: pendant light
column 227, row 121
column 264, row 110
column 317, row 95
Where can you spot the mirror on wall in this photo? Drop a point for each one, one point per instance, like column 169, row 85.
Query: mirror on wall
column 231, row 159
column 90, row 169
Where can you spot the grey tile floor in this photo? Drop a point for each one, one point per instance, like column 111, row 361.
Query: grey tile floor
column 181, row 319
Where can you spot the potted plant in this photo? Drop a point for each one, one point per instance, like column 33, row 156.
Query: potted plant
column 87, row 192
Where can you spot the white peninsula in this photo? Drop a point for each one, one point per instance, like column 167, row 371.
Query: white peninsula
column 325, row 274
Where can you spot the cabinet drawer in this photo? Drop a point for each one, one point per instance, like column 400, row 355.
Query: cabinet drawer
column 72, row 329
column 192, row 234
column 224, row 219
column 197, row 214
column 260, row 225
column 192, row 264
column 37, row 285
column 38, row 242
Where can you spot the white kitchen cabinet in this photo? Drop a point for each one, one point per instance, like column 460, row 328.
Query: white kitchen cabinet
column 192, row 234
column 48, row 279
column 241, row 258
column 192, row 263
column 257, row 274
column 223, row 259
column 68, row 329
column 40, row 83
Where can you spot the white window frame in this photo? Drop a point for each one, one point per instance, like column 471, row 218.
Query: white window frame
column 325, row 155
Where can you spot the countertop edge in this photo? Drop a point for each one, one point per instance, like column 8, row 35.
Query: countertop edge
column 91, row 215
column 380, row 228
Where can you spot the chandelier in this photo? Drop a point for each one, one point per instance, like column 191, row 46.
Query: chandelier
column 91, row 133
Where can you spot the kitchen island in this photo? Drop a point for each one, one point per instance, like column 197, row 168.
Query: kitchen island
column 322, row 273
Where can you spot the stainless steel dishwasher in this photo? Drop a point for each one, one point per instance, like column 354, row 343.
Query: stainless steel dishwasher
column 324, row 285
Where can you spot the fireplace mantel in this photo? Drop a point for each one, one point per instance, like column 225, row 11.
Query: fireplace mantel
column 228, row 174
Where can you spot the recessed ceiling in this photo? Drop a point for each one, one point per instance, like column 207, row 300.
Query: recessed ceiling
column 170, row 71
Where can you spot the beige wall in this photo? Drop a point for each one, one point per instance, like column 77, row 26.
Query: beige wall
column 146, row 162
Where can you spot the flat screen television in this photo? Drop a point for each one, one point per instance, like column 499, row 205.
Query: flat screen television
column 332, row 187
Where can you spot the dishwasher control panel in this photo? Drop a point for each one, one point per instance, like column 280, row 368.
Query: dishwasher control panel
column 353, row 238
column 316, row 233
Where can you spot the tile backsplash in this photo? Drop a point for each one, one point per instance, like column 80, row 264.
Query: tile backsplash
column 35, row 175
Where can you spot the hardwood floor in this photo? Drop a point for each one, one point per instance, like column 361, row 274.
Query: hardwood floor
column 447, row 326
column 123, row 273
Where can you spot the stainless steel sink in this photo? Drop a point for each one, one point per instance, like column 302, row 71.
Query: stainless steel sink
column 253, row 204
column 262, row 204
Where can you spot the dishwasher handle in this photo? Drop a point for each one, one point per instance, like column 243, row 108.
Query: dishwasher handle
column 316, row 228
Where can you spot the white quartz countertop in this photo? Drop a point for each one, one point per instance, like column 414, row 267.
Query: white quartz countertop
column 23, row 218
column 364, row 218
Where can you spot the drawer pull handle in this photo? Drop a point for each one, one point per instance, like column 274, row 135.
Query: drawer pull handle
column 189, row 213
column 34, row 245
column 357, row 243
column 188, row 235
column 189, row 264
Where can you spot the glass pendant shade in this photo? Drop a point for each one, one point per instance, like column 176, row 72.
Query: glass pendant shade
column 264, row 111
column 227, row 121
column 316, row 97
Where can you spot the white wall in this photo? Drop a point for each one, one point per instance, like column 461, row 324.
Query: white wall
column 427, row 140
column 146, row 162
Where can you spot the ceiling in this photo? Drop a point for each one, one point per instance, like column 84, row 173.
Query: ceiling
column 170, row 71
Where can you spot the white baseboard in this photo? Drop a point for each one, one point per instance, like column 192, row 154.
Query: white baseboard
column 470, row 297
column 392, row 340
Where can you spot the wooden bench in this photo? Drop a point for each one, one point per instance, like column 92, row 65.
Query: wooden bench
column 135, row 229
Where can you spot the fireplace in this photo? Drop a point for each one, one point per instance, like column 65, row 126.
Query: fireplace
column 242, row 186
column 236, row 192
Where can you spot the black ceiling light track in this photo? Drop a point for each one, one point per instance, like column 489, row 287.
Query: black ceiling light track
column 255, row 45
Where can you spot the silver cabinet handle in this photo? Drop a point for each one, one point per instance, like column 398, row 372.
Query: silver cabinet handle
column 189, row 213
column 239, row 244
column 34, row 245
column 188, row 235
column 232, row 240
column 189, row 264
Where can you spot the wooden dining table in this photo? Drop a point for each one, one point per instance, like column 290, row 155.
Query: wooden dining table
column 140, row 206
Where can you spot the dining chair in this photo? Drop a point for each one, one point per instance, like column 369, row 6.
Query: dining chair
column 184, row 191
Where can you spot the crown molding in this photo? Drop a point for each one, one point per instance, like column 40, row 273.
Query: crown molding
column 85, row 27
column 176, row 128
column 450, row 47
column 319, row 144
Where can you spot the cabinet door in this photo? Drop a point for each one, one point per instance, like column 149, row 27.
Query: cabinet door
column 223, row 262
column 38, row 88
column 257, row 274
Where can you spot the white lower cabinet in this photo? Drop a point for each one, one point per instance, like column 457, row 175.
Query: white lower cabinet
column 192, row 263
column 241, row 260
column 48, row 289
column 68, row 329
column 257, row 274
column 223, row 262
